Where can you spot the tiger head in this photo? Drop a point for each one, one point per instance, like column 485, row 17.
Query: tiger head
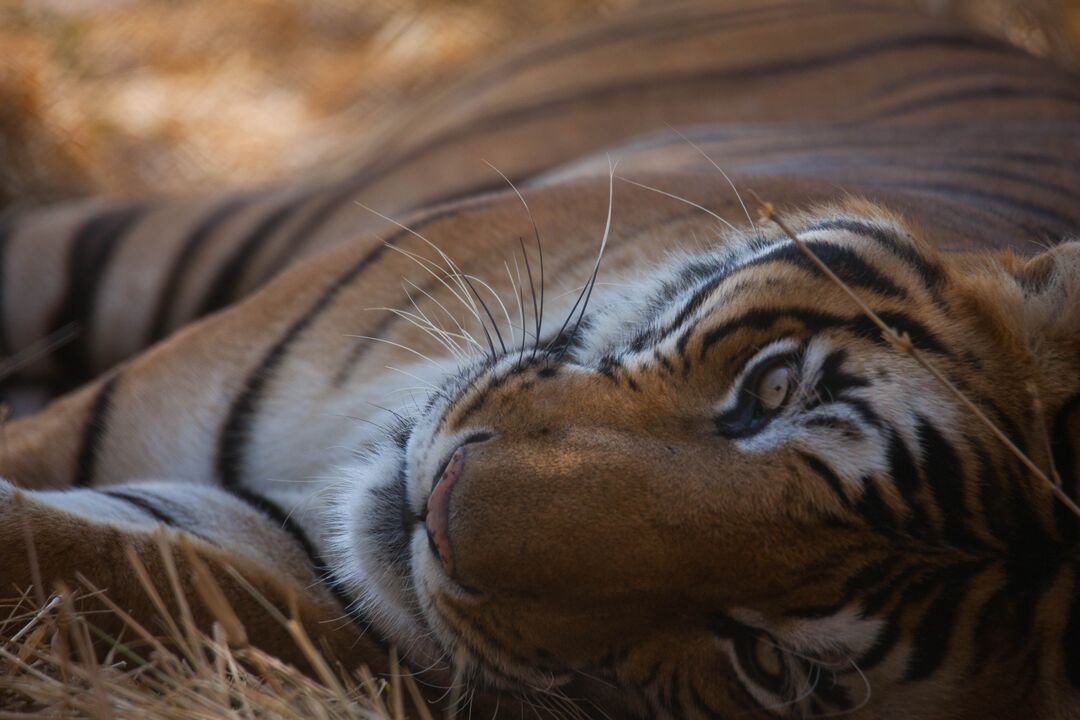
column 725, row 491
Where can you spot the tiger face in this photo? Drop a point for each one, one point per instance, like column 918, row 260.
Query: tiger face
column 723, row 490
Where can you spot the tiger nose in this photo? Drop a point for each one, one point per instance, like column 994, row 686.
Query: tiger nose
column 438, row 510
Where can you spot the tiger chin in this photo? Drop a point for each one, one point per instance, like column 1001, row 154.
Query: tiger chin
column 731, row 494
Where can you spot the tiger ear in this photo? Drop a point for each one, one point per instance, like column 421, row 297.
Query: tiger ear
column 1048, row 313
column 1050, row 284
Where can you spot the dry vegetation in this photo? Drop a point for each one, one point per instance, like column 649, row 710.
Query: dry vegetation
column 129, row 97
column 52, row 663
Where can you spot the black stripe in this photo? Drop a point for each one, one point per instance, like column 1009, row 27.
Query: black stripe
column 914, row 593
column 1034, row 157
column 1026, row 180
column 825, row 472
column 306, row 230
column 233, row 436
column 1000, row 201
column 873, row 509
column 654, row 27
column 845, row 262
column 866, row 579
column 996, row 91
column 930, row 639
column 876, row 600
column 833, row 381
column 701, row 705
column 703, row 82
column 900, row 247
column 763, row 319
column 829, row 688
column 905, row 476
column 189, row 250
column 944, row 474
column 145, row 506
column 864, row 410
column 994, row 504
column 223, row 288
column 94, row 432
column 1029, row 577
column 652, row 336
column 321, row 569
column 91, row 249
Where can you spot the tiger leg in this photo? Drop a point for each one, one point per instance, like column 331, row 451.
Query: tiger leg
column 89, row 540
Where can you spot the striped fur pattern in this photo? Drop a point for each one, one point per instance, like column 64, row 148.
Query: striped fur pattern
column 689, row 478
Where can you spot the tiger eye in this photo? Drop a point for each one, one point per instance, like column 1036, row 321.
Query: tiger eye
column 767, row 658
column 773, row 388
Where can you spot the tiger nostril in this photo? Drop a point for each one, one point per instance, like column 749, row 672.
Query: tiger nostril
column 436, row 515
column 471, row 440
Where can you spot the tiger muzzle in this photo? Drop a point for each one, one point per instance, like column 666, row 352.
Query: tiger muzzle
column 437, row 519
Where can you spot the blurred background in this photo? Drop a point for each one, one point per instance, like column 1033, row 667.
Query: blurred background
column 130, row 97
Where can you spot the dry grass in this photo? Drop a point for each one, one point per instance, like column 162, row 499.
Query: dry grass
column 57, row 661
column 126, row 98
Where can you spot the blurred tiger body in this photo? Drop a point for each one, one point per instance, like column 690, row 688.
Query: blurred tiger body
column 699, row 486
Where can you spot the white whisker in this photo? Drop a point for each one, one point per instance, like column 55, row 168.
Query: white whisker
column 691, row 203
column 734, row 189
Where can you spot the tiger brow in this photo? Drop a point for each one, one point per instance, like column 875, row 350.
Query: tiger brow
column 816, row 321
column 846, row 262
column 888, row 240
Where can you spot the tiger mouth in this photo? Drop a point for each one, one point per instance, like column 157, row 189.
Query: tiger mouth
column 392, row 527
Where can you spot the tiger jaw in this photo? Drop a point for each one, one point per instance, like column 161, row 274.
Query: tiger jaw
column 375, row 539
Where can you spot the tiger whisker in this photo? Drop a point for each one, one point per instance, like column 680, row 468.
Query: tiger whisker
column 681, row 199
column 397, row 345
column 463, row 333
column 395, row 413
column 456, row 271
column 427, row 384
column 587, row 293
column 538, row 309
column 427, row 265
column 38, row 349
column 487, row 310
column 521, row 306
column 417, row 321
column 459, row 352
column 705, row 155
column 498, row 299
column 437, row 334
column 427, row 319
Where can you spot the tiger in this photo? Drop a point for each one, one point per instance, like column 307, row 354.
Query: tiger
column 538, row 397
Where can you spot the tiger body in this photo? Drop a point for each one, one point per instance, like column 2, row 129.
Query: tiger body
column 366, row 389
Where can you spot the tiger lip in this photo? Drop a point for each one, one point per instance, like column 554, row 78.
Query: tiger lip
column 437, row 517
